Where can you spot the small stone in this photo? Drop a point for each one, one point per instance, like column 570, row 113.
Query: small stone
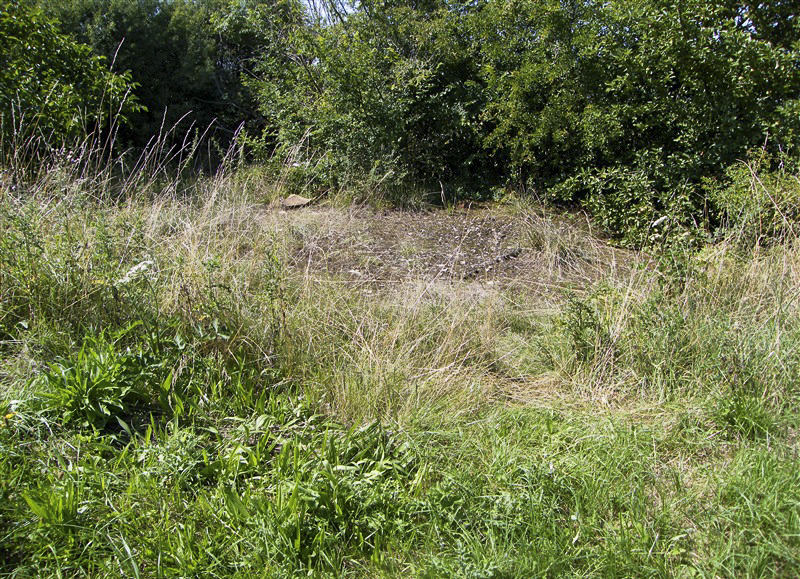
column 295, row 201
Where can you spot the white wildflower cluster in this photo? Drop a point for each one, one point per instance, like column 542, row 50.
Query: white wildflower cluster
column 138, row 271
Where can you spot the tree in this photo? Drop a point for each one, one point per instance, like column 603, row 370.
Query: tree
column 53, row 91
column 387, row 89
column 188, row 57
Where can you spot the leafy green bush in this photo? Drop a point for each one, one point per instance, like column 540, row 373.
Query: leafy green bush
column 53, row 91
column 189, row 58
column 758, row 206
column 628, row 106
column 622, row 201
column 385, row 99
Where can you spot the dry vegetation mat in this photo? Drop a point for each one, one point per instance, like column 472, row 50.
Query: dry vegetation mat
column 202, row 385
column 500, row 246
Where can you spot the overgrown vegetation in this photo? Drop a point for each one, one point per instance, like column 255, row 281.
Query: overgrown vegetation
column 178, row 399
column 53, row 91
column 196, row 383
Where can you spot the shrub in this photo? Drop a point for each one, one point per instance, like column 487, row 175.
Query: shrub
column 758, row 206
column 52, row 89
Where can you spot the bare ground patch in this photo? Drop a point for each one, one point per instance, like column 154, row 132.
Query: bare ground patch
column 491, row 246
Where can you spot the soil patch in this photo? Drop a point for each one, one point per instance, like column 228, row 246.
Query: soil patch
column 488, row 245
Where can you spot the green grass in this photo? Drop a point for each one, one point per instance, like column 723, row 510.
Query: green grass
column 177, row 401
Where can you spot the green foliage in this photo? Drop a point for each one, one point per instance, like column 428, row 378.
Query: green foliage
column 758, row 206
column 388, row 95
column 746, row 414
column 105, row 382
column 541, row 75
column 332, row 499
column 90, row 388
column 746, row 403
column 53, row 91
column 191, row 59
column 589, row 337
column 620, row 200
column 47, row 280
column 160, row 43
column 635, row 109
column 629, row 106
column 265, row 43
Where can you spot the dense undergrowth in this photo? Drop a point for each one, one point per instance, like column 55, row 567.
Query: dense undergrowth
column 178, row 402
